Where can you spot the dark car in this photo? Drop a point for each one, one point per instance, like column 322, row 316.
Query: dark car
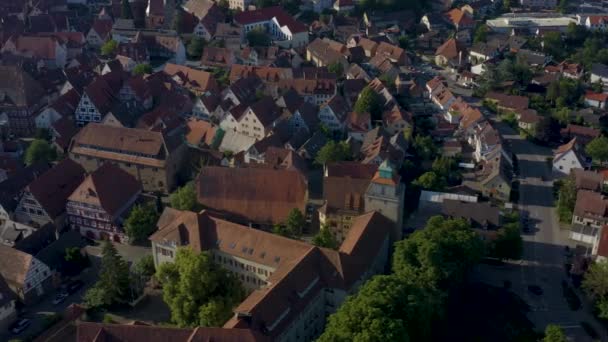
column 20, row 325
column 535, row 289
column 74, row 286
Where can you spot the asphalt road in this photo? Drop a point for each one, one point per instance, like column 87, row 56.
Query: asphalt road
column 544, row 255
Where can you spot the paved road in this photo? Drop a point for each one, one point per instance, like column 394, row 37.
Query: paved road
column 543, row 256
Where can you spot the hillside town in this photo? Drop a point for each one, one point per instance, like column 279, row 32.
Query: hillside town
column 303, row 170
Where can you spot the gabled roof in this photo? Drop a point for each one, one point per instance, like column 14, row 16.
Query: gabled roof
column 102, row 27
column 257, row 195
column 599, row 97
column 103, row 91
column 580, row 131
column 269, row 13
column 129, row 140
column 53, row 187
column 109, row 187
column 200, row 80
column 266, row 110
column 338, row 105
column 589, row 203
column 450, row 49
column 18, row 87
column 14, row 265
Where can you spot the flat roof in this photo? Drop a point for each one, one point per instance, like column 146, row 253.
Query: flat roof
column 505, row 22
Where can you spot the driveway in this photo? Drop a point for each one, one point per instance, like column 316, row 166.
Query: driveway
column 543, row 257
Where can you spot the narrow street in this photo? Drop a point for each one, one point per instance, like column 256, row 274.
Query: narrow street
column 544, row 254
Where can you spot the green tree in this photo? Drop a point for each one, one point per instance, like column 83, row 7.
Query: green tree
column 562, row 115
column 566, row 199
column 196, row 46
column 386, row 308
column 145, row 267
column 595, row 282
column 258, row 38
column 336, row 68
column 553, row 44
column 43, row 134
column 425, row 147
column 430, row 181
column 369, row 102
column 295, row 222
column 554, row 333
column 597, row 149
column 184, row 198
column 333, row 152
column 141, row 222
column 125, row 10
column 293, row 225
column 73, row 261
column 113, row 284
column 481, row 34
column 547, row 130
column 142, row 69
column 438, row 256
column 508, row 243
column 325, row 238
column 39, row 151
column 197, row 291
column 109, row 48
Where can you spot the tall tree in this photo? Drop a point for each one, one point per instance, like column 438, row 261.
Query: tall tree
column 369, row 102
column 438, row 256
column 197, row 291
column 554, row 333
column 142, row 69
column 508, row 243
column 597, row 149
column 196, row 46
column 258, row 38
column 184, row 198
column 385, row 309
column 431, row 181
column 337, row 68
column 141, row 222
column 39, row 151
column 547, row 130
column 113, row 284
column 109, row 48
column 325, row 238
column 425, row 147
column 333, row 152
column 295, row 222
column 125, row 10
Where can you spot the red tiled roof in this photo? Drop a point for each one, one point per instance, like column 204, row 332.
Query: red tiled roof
column 53, row 187
column 602, row 249
column 109, row 187
column 266, row 14
column 600, row 97
column 251, row 194
column 577, row 130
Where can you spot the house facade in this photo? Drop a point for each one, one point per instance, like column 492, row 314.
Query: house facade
column 98, row 207
column 154, row 158
column 29, row 278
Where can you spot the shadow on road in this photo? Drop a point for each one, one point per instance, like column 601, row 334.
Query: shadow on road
column 536, row 195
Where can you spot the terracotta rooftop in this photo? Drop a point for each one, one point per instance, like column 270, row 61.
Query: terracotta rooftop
column 268, row 13
column 108, row 187
column 591, row 204
column 14, row 265
column 258, row 195
column 53, row 187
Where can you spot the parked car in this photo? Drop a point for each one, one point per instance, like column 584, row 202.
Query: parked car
column 535, row 289
column 20, row 326
column 60, row 297
column 74, row 286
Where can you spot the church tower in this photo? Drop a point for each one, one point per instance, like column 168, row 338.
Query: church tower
column 386, row 194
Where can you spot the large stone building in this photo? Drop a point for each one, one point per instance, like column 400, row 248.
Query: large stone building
column 351, row 189
column 260, row 197
column 293, row 286
column 154, row 158
column 98, row 207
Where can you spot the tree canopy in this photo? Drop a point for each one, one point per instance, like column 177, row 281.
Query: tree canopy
column 325, row 238
column 258, row 38
column 566, row 199
column 597, row 149
column 184, row 198
column 141, row 222
column 197, row 291
column 142, row 69
column 508, row 243
column 293, row 225
column 554, row 333
column 440, row 254
column 430, row 181
column 425, row 147
column 109, row 48
column 39, row 151
column 337, row 68
column 369, row 102
column 196, row 46
column 114, row 279
column 384, row 309
column 333, row 152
